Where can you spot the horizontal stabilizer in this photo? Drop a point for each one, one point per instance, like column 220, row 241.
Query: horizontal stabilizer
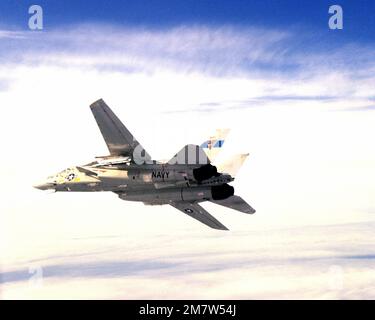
column 235, row 203
column 233, row 164
column 195, row 211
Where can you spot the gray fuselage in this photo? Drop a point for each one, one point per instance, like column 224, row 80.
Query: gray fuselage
column 150, row 183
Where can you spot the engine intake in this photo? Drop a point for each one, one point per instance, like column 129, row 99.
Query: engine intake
column 222, row 192
column 204, row 172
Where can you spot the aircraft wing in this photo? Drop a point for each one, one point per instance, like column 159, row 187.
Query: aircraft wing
column 118, row 138
column 195, row 211
column 236, row 203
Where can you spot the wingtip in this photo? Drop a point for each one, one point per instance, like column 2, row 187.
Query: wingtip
column 251, row 210
column 222, row 227
column 97, row 103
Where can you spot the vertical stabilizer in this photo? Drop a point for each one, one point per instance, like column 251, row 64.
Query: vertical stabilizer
column 213, row 145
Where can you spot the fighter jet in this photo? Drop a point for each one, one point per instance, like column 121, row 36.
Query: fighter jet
column 183, row 182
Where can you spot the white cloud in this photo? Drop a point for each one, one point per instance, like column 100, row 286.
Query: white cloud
column 314, row 262
column 264, row 65
column 307, row 165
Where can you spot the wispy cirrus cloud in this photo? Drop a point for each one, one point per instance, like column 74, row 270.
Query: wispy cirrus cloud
column 11, row 34
column 223, row 50
column 278, row 66
column 219, row 50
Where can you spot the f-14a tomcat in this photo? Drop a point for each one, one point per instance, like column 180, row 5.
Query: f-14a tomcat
column 183, row 182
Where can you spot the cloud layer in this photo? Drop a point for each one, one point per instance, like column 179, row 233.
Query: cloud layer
column 315, row 263
column 277, row 90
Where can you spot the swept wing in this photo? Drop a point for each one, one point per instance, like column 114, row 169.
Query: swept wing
column 119, row 140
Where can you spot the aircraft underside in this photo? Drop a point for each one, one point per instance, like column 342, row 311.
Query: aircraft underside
column 183, row 182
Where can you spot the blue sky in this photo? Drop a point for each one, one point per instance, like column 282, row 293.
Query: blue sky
column 304, row 24
column 311, row 15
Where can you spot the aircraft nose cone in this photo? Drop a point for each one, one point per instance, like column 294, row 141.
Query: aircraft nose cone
column 43, row 186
